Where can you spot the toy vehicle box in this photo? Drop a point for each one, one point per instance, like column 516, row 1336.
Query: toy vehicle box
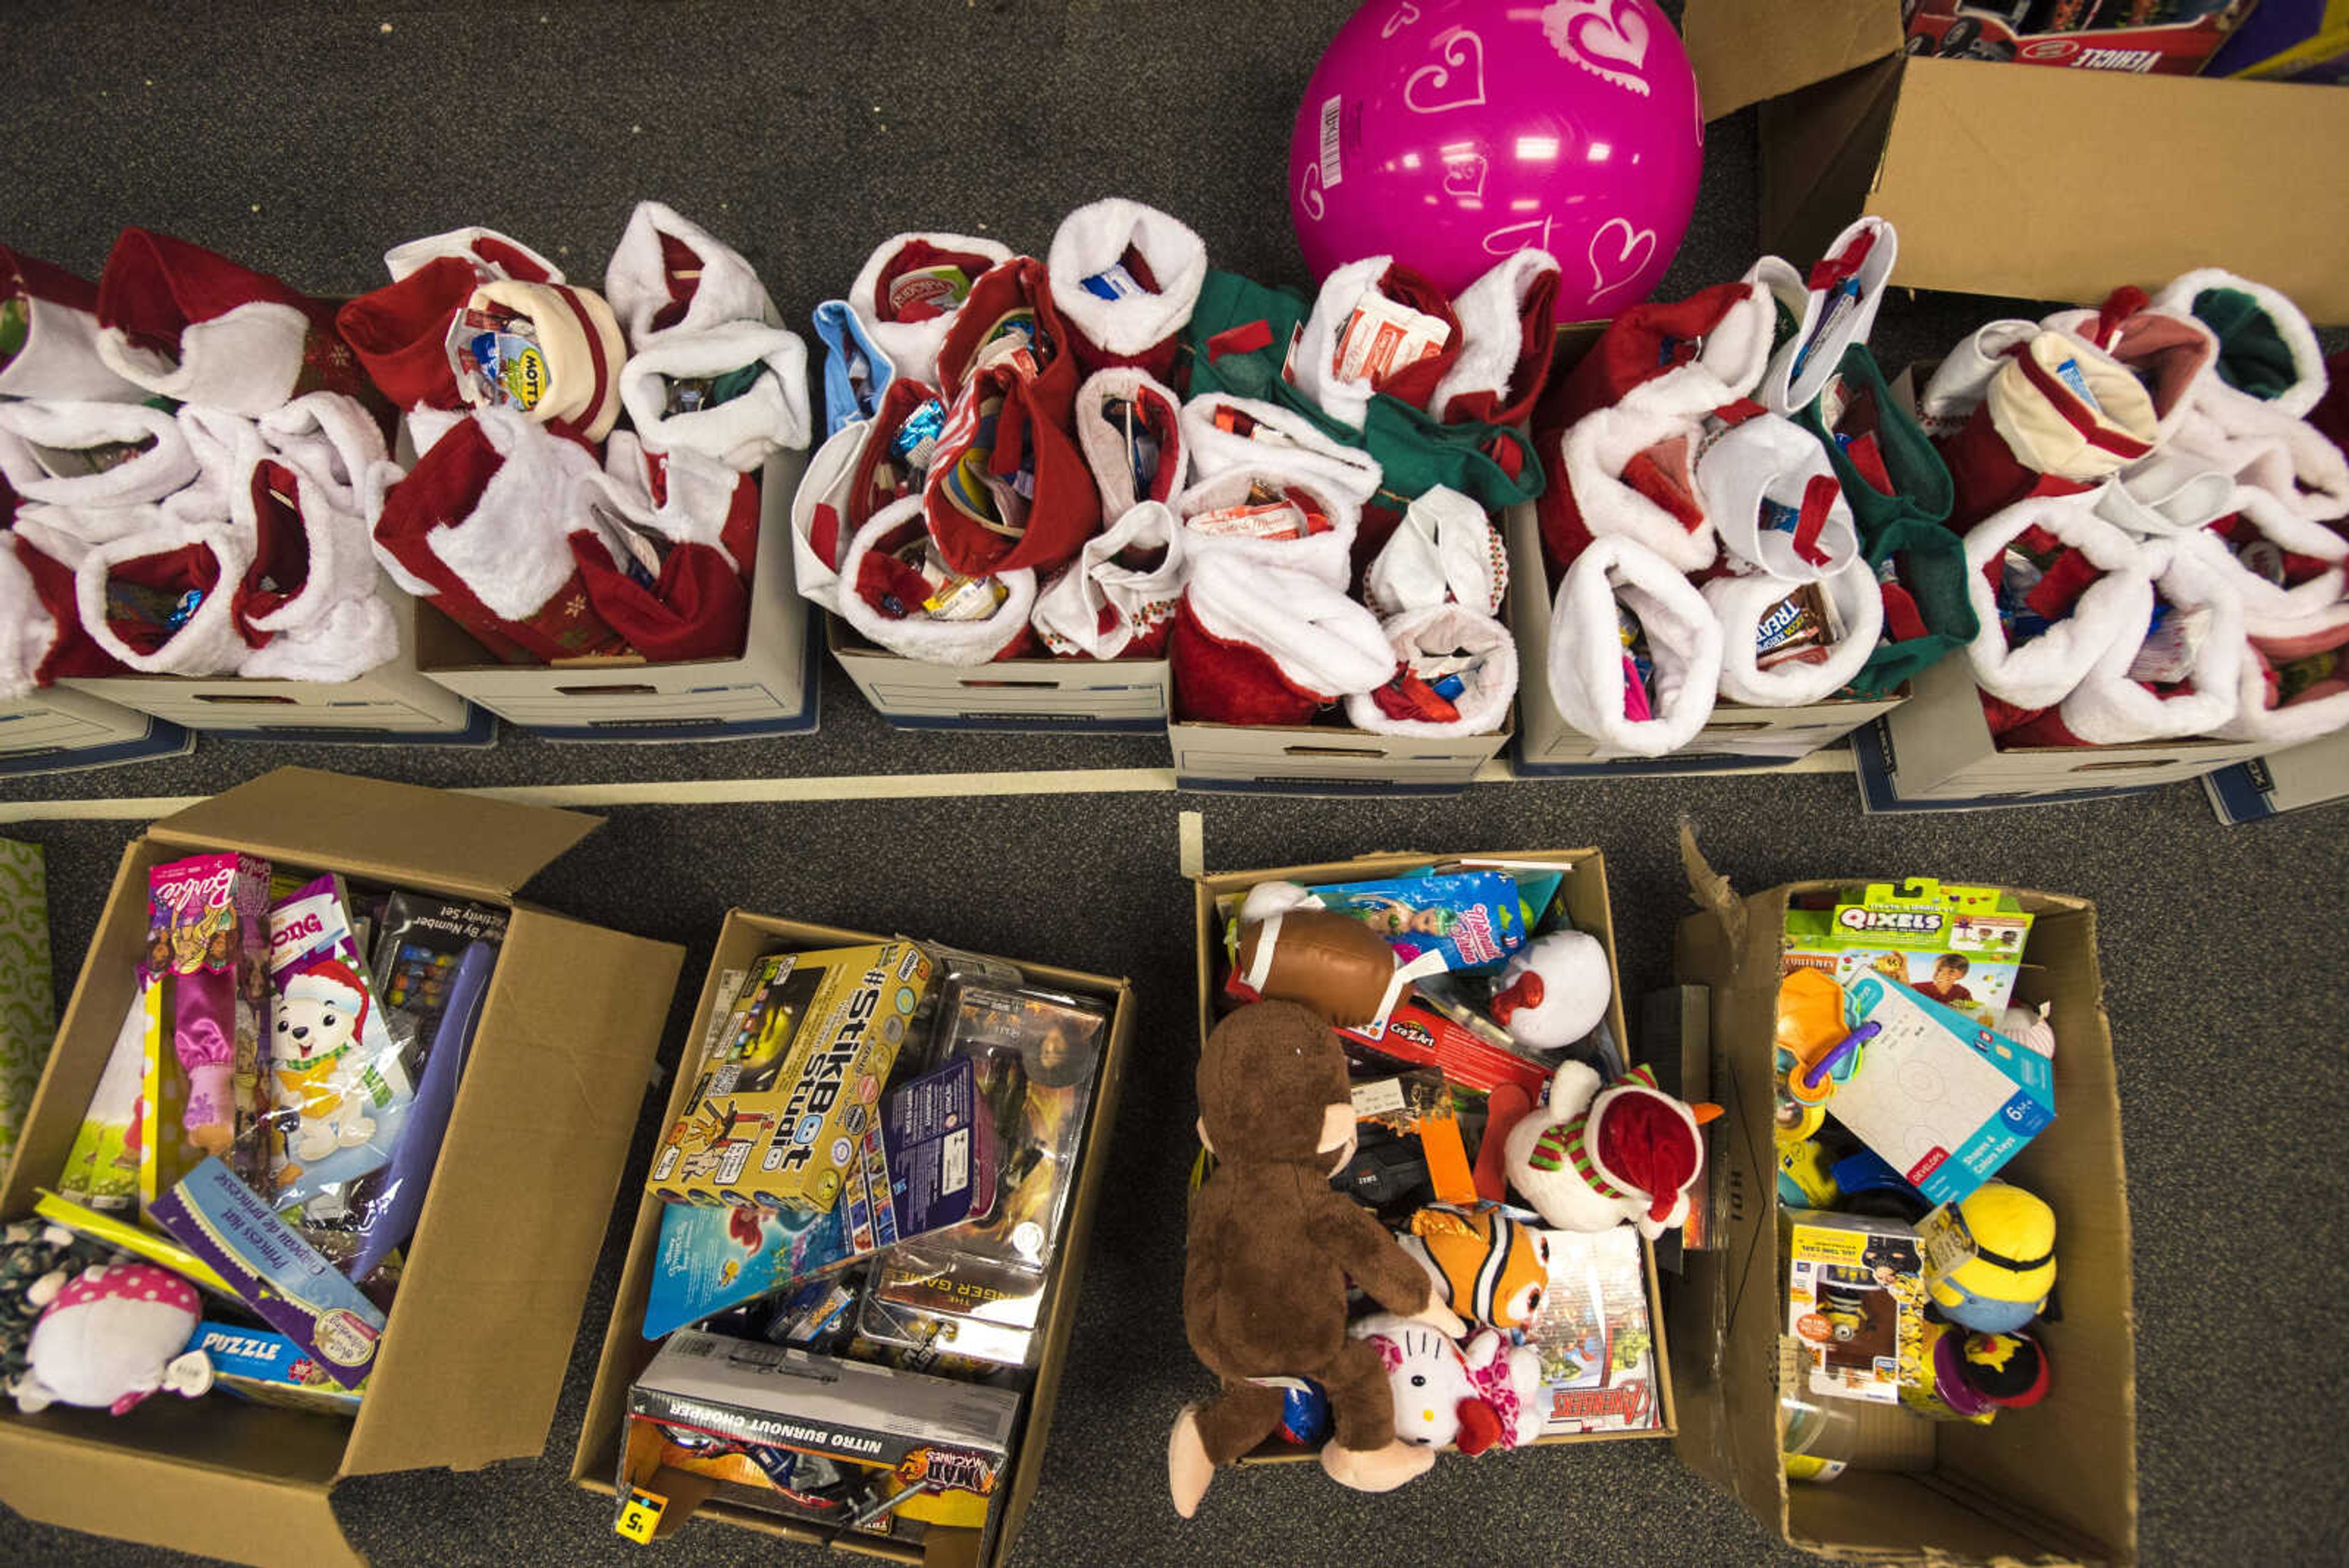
column 1849, row 123
column 1583, row 891
column 472, row 1356
column 748, row 1394
column 779, row 1106
column 2054, row 1481
column 625, row 1352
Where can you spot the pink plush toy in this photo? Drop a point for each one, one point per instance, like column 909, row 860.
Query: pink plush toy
column 1475, row 1398
column 110, row 1337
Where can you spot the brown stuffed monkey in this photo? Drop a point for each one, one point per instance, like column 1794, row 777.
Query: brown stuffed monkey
column 1271, row 1247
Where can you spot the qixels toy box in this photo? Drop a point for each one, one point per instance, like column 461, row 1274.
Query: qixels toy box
column 2054, row 1483
column 472, row 1356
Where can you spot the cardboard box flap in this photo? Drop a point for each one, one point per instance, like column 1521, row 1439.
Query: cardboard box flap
column 398, row 833
column 1960, row 126
column 1745, row 53
column 472, row 1359
column 110, row 1489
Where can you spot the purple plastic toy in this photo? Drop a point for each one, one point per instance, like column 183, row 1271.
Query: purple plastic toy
column 1449, row 133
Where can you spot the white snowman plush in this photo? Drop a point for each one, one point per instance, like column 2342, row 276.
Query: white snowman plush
column 109, row 1337
column 1555, row 991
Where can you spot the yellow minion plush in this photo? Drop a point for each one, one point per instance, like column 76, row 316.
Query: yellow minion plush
column 1990, row 1258
column 1484, row 1266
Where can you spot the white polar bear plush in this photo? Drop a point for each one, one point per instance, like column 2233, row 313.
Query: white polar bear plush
column 319, row 1014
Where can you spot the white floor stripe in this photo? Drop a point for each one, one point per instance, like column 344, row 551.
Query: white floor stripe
column 866, row 787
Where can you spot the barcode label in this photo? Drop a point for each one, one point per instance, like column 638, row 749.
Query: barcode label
column 1330, row 169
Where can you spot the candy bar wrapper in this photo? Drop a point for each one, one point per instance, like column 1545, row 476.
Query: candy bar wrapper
column 201, row 984
column 274, row 1270
column 339, row 1093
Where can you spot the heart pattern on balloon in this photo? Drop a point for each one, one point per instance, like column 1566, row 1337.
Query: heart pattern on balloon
column 1308, row 192
column 1404, row 16
column 1632, row 250
column 1609, row 38
column 1465, row 177
column 1432, row 89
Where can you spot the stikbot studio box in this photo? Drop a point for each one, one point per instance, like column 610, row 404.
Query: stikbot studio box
column 792, row 1079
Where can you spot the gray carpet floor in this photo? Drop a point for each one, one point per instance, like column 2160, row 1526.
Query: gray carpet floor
column 305, row 140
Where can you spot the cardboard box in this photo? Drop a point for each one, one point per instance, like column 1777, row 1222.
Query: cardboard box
column 1734, row 738
column 1938, row 747
column 2310, row 774
column 2030, row 183
column 1116, row 696
column 1331, row 760
column 472, row 1357
column 768, row 689
column 391, row 702
column 59, row 729
column 2054, row 1481
column 1584, row 890
column 743, row 937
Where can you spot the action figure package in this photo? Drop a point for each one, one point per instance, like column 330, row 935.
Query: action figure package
column 1597, row 1347
column 1855, row 1301
column 931, row 1301
column 811, row 1437
column 1408, row 1146
column 1036, row 1053
column 793, row 1080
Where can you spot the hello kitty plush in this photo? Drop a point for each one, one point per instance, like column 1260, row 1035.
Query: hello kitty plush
column 111, row 1337
column 1475, row 1398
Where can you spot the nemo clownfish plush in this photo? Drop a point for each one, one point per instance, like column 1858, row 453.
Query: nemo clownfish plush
column 1486, row 1266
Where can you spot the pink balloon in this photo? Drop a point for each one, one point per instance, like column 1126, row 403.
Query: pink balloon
column 1449, row 133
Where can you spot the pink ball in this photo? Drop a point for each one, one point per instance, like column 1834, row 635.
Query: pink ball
column 1449, row 133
